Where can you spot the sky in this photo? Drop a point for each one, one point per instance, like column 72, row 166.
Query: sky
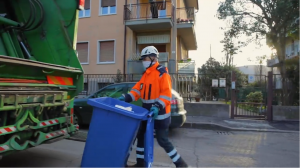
column 208, row 33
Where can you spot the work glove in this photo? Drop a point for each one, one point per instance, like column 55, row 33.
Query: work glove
column 155, row 111
column 122, row 98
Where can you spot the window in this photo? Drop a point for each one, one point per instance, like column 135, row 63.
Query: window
column 83, row 52
column 106, row 51
column 87, row 9
column 102, row 85
column 130, row 86
column 108, row 7
column 113, row 91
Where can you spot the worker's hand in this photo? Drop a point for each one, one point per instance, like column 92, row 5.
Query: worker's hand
column 122, row 98
column 155, row 111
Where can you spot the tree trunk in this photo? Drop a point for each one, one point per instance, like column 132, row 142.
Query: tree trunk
column 227, row 97
column 227, row 58
column 280, row 48
column 260, row 74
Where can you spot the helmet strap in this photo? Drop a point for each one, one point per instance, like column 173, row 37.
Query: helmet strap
column 152, row 60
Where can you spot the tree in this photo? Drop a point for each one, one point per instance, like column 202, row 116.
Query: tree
column 213, row 69
column 260, row 19
column 229, row 47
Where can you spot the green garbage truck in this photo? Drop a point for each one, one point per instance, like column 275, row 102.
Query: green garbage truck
column 40, row 73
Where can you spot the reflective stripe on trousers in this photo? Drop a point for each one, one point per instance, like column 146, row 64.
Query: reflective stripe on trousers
column 139, row 153
column 174, row 155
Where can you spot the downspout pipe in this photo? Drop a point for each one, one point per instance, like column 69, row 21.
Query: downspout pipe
column 124, row 59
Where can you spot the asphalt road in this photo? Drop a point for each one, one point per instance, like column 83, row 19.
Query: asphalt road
column 200, row 148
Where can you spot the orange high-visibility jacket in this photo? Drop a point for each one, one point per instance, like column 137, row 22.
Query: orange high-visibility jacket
column 154, row 88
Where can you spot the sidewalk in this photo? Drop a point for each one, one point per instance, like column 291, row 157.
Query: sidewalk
column 203, row 122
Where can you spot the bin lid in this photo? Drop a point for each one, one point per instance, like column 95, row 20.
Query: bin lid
column 108, row 103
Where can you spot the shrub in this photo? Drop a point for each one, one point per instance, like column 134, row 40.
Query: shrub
column 255, row 97
column 118, row 78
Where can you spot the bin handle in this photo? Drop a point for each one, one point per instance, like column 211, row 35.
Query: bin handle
column 150, row 114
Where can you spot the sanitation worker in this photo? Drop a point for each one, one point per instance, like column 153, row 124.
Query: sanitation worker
column 154, row 89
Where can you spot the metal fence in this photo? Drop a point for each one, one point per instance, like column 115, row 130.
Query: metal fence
column 192, row 85
column 188, row 85
column 287, row 96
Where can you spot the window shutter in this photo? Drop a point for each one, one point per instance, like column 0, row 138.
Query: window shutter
column 87, row 4
column 105, row 3
column 106, row 51
column 83, row 51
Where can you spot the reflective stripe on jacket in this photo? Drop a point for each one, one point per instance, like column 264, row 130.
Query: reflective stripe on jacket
column 154, row 88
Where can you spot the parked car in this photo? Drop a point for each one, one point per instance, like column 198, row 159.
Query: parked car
column 83, row 111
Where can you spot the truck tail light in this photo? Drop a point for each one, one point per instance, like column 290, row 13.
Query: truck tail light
column 72, row 113
column 81, row 4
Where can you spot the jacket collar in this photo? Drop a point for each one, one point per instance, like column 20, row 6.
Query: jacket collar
column 152, row 68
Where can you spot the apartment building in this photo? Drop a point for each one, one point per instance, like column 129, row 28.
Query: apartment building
column 292, row 48
column 112, row 33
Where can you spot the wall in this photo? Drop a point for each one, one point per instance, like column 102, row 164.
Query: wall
column 178, row 51
column 207, row 109
column 254, row 69
column 130, row 43
column 180, row 4
column 290, row 45
column 184, row 51
column 285, row 113
column 96, row 28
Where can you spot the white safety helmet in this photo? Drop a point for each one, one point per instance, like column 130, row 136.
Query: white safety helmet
column 149, row 51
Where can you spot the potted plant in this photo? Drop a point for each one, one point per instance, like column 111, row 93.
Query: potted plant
column 191, row 20
column 197, row 98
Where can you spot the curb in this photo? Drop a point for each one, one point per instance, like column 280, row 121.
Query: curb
column 76, row 139
column 213, row 126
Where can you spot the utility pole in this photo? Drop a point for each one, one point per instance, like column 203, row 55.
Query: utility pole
column 210, row 50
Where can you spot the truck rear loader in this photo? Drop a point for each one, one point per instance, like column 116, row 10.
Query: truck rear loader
column 40, row 73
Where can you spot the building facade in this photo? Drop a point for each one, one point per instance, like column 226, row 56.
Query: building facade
column 112, row 33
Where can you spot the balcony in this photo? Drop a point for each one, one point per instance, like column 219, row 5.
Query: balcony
column 186, row 67
column 149, row 16
column 186, row 20
column 134, row 66
column 290, row 56
column 163, row 57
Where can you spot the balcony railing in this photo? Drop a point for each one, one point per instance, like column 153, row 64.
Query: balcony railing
column 164, row 9
column 186, row 67
column 186, row 15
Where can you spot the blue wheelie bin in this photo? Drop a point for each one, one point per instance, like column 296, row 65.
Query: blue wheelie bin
column 112, row 131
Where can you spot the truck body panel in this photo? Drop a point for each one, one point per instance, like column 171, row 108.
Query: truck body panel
column 40, row 73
